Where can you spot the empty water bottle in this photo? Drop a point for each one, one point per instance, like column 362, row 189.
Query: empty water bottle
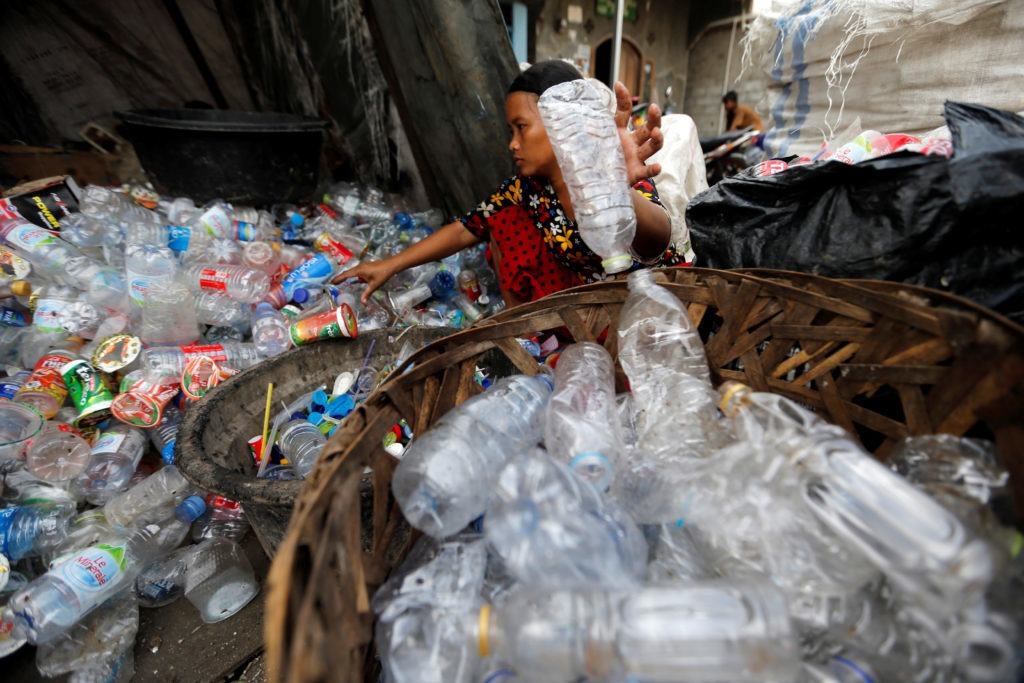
column 301, row 442
column 214, row 308
column 146, row 265
column 553, row 529
column 585, row 139
column 107, row 632
column 443, row 481
column 421, row 612
column 708, row 631
column 164, row 435
column 169, row 316
column 235, row 355
column 113, row 460
column 663, row 356
column 582, row 427
column 223, row 518
column 51, row 604
column 160, row 489
column 242, row 283
column 32, row 529
column 269, row 331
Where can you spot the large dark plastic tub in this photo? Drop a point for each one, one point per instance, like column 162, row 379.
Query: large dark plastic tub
column 212, row 450
column 243, row 157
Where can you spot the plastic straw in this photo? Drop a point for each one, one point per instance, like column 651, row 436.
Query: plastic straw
column 265, row 448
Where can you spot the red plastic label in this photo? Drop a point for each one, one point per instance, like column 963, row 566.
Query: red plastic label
column 213, row 351
column 213, row 280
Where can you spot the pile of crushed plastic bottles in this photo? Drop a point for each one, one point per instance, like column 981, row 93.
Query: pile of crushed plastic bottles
column 113, row 325
column 683, row 533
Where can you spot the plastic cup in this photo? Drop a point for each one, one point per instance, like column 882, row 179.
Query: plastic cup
column 18, row 424
column 220, row 579
column 57, row 454
column 145, row 394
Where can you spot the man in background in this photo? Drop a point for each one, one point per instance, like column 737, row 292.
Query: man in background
column 739, row 116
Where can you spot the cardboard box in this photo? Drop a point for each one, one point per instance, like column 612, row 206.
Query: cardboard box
column 45, row 201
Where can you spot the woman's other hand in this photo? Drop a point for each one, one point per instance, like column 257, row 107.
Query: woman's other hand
column 639, row 145
column 373, row 273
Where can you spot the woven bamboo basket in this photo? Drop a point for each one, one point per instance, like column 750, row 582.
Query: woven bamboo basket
column 880, row 362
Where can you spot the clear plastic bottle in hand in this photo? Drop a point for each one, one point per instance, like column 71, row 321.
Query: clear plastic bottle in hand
column 579, row 122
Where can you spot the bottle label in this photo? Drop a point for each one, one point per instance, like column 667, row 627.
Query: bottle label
column 92, row 570
column 9, row 385
column 137, row 288
column 217, row 222
column 178, row 237
column 6, row 519
column 213, row 280
column 47, row 315
column 109, row 442
column 11, row 317
column 245, row 232
column 29, row 238
column 213, row 351
column 333, row 248
column 311, row 271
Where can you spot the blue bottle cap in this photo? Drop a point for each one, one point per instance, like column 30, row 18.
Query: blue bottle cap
column 341, row 406
column 319, row 399
column 190, row 509
column 315, row 419
column 404, row 220
column 168, row 453
column 300, row 296
column 297, row 219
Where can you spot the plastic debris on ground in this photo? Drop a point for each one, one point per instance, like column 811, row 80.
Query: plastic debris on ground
column 121, row 310
column 681, row 532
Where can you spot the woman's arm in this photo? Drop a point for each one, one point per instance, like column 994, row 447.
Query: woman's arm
column 653, row 228
column 441, row 244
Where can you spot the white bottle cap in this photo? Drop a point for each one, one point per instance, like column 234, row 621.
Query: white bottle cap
column 617, row 264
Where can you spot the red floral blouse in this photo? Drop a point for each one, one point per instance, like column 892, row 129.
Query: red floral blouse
column 541, row 250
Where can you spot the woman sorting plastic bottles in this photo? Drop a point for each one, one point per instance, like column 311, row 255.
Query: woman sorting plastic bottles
column 529, row 221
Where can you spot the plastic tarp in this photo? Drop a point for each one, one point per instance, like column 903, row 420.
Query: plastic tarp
column 951, row 224
column 890, row 62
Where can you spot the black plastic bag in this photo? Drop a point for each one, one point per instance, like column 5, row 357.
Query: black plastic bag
column 951, row 224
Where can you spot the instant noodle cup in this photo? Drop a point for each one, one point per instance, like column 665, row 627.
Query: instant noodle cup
column 339, row 322
column 144, row 395
column 89, row 394
column 202, row 374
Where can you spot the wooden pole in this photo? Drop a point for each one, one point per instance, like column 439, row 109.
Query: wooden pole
column 448, row 64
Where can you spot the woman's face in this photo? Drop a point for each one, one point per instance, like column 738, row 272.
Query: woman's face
column 530, row 146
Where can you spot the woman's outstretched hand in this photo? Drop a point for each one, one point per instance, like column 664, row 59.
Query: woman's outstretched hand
column 373, row 273
column 638, row 145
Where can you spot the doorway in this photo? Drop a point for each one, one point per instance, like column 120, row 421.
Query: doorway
column 630, row 63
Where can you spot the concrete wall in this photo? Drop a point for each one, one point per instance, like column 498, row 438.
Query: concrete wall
column 707, row 80
column 659, row 31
